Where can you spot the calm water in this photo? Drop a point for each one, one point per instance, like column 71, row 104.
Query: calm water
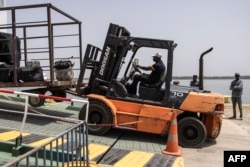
column 216, row 85
column 222, row 86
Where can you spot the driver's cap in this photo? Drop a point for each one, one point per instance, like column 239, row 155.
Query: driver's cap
column 158, row 55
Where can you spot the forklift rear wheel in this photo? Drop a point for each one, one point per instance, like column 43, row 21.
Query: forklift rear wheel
column 191, row 132
column 36, row 101
column 99, row 118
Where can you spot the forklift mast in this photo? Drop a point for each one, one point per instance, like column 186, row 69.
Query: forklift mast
column 111, row 51
column 102, row 62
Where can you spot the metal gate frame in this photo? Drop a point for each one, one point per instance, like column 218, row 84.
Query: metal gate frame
column 72, row 150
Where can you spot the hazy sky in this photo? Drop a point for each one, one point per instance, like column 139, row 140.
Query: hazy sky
column 195, row 25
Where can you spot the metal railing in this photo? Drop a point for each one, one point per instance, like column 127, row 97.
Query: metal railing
column 54, row 35
column 69, row 148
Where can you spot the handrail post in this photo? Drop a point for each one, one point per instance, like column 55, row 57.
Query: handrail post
column 16, row 150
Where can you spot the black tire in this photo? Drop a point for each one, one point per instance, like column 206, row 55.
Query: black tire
column 191, row 132
column 59, row 93
column 100, row 115
column 36, row 101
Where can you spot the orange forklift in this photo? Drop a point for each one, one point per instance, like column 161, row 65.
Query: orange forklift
column 110, row 69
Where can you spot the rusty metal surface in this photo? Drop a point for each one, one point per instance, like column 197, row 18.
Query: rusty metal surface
column 42, row 39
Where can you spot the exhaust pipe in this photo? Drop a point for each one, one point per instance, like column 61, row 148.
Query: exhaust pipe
column 201, row 77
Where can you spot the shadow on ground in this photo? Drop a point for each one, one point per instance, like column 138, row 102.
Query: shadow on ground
column 130, row 135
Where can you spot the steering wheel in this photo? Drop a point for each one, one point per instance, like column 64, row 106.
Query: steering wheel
column 131, row 73
column 133, row 70
column 136, row 68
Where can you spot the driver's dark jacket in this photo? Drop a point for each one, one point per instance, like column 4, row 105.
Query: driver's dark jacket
column 155, row 75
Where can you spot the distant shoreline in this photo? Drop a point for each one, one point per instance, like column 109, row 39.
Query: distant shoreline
column 211, row 77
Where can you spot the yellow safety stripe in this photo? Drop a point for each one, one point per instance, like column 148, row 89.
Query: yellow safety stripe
column 179, row 162
column 53, row 144
column 40, row 142
column 10, row 135
column 134, row 158
column 96, row 150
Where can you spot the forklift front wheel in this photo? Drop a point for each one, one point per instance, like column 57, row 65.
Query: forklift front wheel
column 99, row 117
column 36, row 101
column 191, row 132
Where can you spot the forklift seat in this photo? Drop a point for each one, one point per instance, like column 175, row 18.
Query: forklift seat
column 153, row 91
column 157, row 85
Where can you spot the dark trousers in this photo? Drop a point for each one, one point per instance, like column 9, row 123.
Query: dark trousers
column 237, row 100
column 138, row 78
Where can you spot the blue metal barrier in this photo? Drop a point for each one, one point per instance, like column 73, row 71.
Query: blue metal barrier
column 67, row 149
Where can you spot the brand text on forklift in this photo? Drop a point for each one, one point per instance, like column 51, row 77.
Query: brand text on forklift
column 104, row 61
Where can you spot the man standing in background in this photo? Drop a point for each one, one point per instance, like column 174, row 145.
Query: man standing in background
column 237, row 88
column 195, row 81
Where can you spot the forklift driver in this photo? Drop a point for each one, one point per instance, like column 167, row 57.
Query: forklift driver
column 157, row 70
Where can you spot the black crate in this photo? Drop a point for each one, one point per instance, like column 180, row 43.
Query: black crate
column 6, row 72
column 29, row 74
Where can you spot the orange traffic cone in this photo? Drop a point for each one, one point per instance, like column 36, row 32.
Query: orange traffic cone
column 172, row 147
